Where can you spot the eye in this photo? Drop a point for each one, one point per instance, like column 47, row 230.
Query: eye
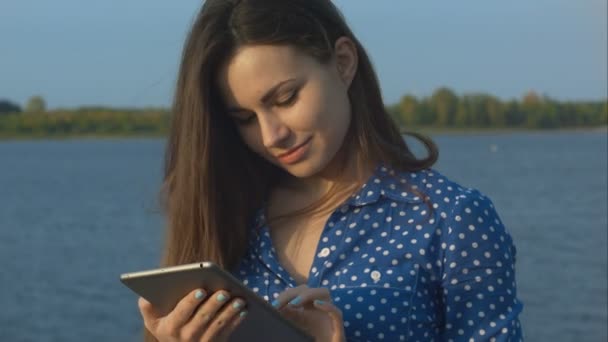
column 289, row 101
column 243, row 121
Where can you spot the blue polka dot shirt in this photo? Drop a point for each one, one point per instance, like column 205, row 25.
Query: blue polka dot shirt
column 412, row 256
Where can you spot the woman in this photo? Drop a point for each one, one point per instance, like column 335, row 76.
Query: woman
column 283, row 167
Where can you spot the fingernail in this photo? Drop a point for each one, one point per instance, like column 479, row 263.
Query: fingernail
column 199, row 294
column 243, row 314
column 221, row 298
column 296, row 300
column 319, row 302
column 275, row 303
column 237, row 305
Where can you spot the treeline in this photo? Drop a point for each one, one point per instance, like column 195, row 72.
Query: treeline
column 444, row 109
column 85, row 122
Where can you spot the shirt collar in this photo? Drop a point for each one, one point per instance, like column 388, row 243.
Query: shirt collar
column 384, row 182
column 388, row 183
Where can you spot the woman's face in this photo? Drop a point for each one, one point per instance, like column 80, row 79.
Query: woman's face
column 288, row 108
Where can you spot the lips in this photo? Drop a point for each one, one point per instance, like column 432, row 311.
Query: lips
column 295, row 154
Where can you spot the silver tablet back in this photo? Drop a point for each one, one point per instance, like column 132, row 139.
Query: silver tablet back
column 166, row 286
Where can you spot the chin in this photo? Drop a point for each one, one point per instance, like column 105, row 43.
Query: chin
column 303, row 169
column 307, row 168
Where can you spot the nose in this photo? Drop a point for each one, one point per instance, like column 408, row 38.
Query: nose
column 274, row 131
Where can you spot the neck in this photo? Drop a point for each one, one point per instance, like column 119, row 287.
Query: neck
column 341, row 174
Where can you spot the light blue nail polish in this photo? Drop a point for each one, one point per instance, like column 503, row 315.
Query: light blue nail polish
column 221, row 298
column 275, row 303
column 243, row 314
column 199, row 294
column 237, row 305
column 296, row 301
column 319, row 302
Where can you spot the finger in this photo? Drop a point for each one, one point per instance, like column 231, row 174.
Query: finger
column 292, row 314
column 184, row 309
column 226, row 315
column 335, row 315
column 288, row 295
column 333, row 311
column 205, row 313
column 306, row 297
column 225, row 334
column 149, row 314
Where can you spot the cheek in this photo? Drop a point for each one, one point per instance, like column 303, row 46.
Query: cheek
column 251, row 136
column 319, row 113
column 336, row 117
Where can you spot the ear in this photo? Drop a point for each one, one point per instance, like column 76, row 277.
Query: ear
column 346, row 59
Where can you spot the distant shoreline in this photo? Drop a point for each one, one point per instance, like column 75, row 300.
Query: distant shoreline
column 82, row 137
column 481, row 131
column 421, row 130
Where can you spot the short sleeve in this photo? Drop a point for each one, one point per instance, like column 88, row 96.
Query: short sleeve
column 478, row 273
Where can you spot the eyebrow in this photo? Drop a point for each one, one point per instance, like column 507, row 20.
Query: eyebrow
column 266, row 98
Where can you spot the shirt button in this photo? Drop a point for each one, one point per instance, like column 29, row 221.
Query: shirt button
column 376, row 275
column 324, row 252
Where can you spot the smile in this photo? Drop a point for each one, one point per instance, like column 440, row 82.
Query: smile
column 296, row 154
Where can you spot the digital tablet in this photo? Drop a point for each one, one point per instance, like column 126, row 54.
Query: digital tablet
column 165, row 287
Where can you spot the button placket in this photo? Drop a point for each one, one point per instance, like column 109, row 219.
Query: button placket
column 323, row 257
column 269, row 259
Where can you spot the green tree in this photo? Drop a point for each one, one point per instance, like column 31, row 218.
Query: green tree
column 532, row 106
column 567, row 115
column 476, row 114
column 408, row 107
column 7, row 107
column 495, row 111
column 462, row 118
column 514, row 116
column 531, row 98
column 425, row 115
column 35, row 104
column 445, row 104
column 548, row 117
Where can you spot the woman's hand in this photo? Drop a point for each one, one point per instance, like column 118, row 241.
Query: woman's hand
column 197, row 317
column 312, row 310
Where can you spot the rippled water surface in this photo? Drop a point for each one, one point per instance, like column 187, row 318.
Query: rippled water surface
column 75, row 214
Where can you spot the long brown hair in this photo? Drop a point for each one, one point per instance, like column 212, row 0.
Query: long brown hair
column 213, row 183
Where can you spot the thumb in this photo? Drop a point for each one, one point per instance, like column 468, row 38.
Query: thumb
column 334, row 313
column 299, row 316
column 149, row 314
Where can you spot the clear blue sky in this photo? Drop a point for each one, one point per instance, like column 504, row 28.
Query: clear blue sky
column 126, row 52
